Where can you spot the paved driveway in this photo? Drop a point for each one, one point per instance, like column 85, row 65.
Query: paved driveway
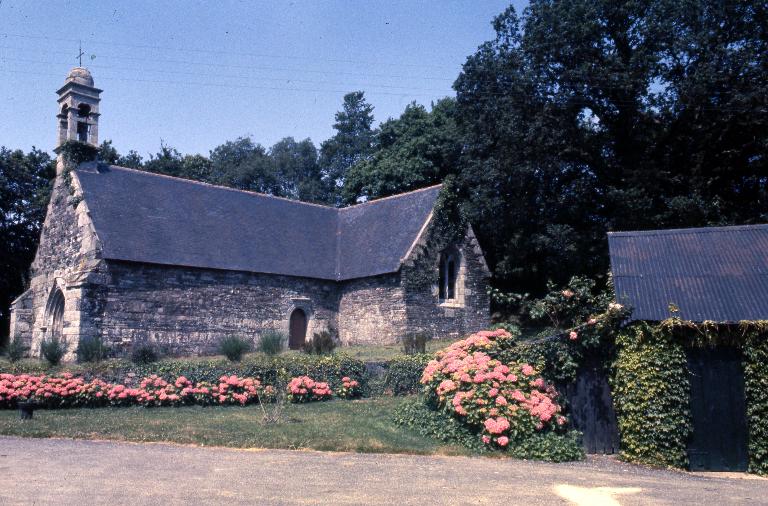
column 50, row 471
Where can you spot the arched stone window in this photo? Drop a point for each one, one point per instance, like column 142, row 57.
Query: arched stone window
column 449, row 274
column 56, row 314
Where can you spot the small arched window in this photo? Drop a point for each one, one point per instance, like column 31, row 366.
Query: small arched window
column 449, row 266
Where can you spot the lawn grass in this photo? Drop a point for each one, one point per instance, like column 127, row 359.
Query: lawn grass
column 355, row 426
column 381, row 353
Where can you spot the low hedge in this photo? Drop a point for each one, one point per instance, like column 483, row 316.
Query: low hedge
column 404, row 374
column 329, row 368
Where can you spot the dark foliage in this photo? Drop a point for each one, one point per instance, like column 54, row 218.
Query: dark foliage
column 234, row 347
column 404, row 374
column 91, row 349
column 53, row 349
column 16, row 349
column 24, row 193
column 322, row 343
column 271, row 342
column 415, row 343
column 144, row 353
column 582, row 117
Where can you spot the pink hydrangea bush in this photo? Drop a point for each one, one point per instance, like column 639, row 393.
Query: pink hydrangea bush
column 305, row 389
column 66, row 391
column 503, row 402
column 349, row 389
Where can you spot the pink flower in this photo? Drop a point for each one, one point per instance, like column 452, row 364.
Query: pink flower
column 503, row 441
column 591, row 321
column 567, row 293
column 501, row 401
column 486, row 439
column 527, row 370
column 573, row 335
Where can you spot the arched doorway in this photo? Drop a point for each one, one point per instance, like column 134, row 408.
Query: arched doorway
column 297, row 329
column 56, row 314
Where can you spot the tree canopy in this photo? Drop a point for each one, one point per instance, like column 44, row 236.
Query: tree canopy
column 579, row 117
column 24, row 190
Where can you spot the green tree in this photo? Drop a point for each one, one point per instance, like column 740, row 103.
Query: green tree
column 167, row 161
column 418, row 149
column 24, row 192
column 297, row 170
column 352, row 143
column 245, row 165
column 586, row 116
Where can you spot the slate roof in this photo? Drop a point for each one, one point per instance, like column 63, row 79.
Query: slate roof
column 714, row 273
column 145, row 217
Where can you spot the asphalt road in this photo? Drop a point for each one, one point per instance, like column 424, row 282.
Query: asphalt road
column 55, row 471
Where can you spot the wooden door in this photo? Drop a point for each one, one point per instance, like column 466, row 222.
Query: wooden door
column 591, row 408
column 718, row 408
column 298, row 329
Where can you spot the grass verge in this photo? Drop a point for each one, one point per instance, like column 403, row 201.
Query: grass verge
column 356, row 426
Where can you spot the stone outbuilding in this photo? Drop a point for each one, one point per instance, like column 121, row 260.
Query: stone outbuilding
column 132, row 256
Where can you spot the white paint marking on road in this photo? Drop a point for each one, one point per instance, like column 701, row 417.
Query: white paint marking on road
column 595, row 496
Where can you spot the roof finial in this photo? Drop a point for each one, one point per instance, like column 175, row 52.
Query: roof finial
column 81, row 53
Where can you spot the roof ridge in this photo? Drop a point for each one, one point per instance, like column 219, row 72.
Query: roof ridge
column 222, row 187
column 690, row 230
column 266, row 195
column 391, row 197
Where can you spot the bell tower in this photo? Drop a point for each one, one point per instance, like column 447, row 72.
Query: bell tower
column 78, row 109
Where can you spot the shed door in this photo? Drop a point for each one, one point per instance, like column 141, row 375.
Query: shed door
column 591, row 407
column 718, row 408
column 298, row 329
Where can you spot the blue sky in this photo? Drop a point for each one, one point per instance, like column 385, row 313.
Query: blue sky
column 197, row 74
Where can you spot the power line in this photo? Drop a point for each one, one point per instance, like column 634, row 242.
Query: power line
column 230, row 76
column 249, row 67
column 217, row 85
column 235, row 53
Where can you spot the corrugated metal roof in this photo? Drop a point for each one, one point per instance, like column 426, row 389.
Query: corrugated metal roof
column 145, row 217
column 713, row 273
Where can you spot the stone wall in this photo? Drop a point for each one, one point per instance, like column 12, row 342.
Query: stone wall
column 67, row 258
column 372, row 310
column 188, row 310
column 468, row 312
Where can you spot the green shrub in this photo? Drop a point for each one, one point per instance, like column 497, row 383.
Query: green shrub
column 328, row 368
column 651, row 394
column 144, row 353
column 548, row 446
column 415, row 415
column 53, row 349
column 91, row 349
column 322, row 343
column 404, row 374
column 16, row 349
column 415, row 343
column 234, row 348
column 271, row 342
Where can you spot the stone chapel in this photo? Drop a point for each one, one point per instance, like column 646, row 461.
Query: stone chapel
column 132, row 256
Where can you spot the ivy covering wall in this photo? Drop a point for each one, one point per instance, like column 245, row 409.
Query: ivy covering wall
column 651, row 396
column 651, row 389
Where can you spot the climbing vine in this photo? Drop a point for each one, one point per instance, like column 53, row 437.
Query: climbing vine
column 651, row 389
column 74, row 153
column 449, row 226
column 651, row 396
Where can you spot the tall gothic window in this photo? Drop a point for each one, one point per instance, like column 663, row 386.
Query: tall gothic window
column 56, row 314
column 449, row 266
